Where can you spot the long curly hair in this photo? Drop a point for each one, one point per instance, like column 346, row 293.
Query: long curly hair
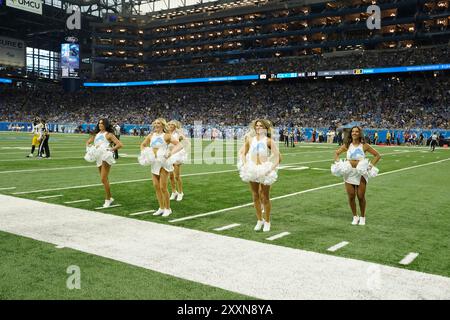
column 176, row 123
column 163, row 122
column 106, row 123
column 349, row 139
column 267, row 124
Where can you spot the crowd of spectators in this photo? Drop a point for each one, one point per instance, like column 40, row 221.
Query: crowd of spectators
column 419, row 101
column 355, row 59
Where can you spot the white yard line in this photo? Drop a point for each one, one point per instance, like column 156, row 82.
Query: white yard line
column 7, row 188
column 49, row 197
column 119, row 182
column 338, row 246
column 141, row 212
column 36, row 159
column 77, row 201
column 112, row 206
column 136, row 163
column 278, row 236
column 298, row 193
column 230, row 226
column 63, row 168
column 410, row 257
column 213, row 259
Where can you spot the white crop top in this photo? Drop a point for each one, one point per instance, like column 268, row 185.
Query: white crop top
column 355, row 153
column 101, row 140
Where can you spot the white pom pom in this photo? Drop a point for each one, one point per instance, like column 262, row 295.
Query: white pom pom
column 373, row 172
column 91, row 154
column 336, row 168
column 147, row 157
column 362, row 167
column 346, row 168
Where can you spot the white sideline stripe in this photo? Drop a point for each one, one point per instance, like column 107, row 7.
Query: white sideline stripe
column 48, row 197
column 278, row 236
column 410, row 257
column 120, row 182
column 113, row 206
column 214, row 259
column 320, row 169
column 58, row 151
column 136, row 163
column 63, row 168
column 227, row 227
column 76, row 201
column 8, row 188
column 297, row 168
column 36, row 159
column 141, row 212
column 338, row 246
column 297, row 193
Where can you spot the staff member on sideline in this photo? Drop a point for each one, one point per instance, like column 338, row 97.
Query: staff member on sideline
column 43, row 146
column 116, row 129
column 434, row 140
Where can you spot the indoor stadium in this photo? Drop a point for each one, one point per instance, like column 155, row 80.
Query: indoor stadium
column 247, row 151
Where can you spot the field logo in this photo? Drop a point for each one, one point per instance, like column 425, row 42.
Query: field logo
column 374, row 21
column 74, row 280
column 74, row 20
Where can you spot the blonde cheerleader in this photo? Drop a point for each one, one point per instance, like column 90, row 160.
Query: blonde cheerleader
column 155, row 152
column 356, row 170
column 102, row 153
column 180, row 157
column 259, row 159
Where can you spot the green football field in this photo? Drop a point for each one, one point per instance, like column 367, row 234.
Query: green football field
column 408, row 210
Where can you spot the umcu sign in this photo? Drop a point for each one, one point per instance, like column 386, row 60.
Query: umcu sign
column 34, row 6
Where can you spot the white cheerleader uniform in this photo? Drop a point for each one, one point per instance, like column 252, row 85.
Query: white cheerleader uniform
column 354, row 175
column 179, row 157
column 158, row 142
column 103, row 153
column 254, row 172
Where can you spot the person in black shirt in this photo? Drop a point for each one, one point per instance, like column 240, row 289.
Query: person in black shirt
column 43, row 146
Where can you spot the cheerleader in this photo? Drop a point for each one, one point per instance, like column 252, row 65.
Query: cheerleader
column 258, row 166
column 102, row 153
column 155, row 151
column 356, row 171
column 176, row 184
